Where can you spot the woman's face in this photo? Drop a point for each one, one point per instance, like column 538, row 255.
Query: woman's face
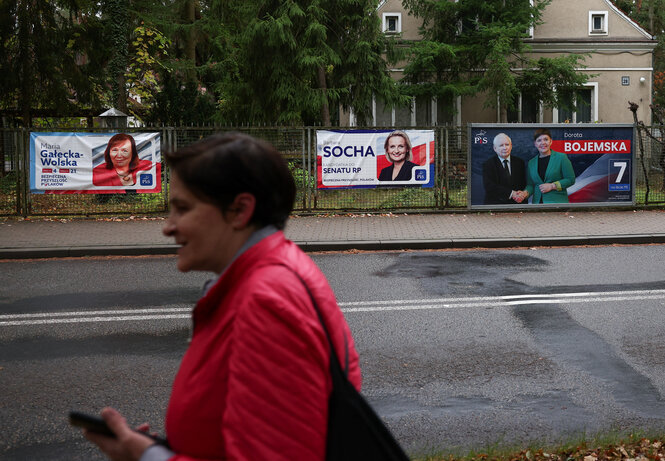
column 200, row 229
column 397, row 149
column 121, row 153
column 543, row 144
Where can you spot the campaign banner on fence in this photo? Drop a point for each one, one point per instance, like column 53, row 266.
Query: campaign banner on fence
column 95, row 163
column 550, row 165
column 375, row 158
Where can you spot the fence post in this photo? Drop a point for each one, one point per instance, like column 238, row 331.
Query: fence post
column 169, row 145
column 305, row 176
column 23, row 178
column 445, row 168
column 310, row 193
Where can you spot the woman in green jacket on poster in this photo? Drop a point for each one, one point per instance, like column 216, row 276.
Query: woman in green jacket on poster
column 550, row 173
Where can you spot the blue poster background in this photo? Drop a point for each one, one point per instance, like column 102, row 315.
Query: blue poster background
column 585, row 165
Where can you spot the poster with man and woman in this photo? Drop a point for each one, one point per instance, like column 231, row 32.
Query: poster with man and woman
column 95, row 163
column 375, row 158
column 550, row 165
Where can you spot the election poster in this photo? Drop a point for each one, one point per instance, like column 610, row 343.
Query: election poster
column 555, row 165
column 375, row 158
column 95, row 163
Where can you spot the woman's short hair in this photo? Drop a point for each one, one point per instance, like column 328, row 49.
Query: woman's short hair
column 118, row 138
column 405, row 136
column 218, row 168
column 541, row 131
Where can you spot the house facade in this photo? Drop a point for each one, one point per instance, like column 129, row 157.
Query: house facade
column 618, row 58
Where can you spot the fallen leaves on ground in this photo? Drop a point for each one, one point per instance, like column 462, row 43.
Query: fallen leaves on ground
column 643, row 449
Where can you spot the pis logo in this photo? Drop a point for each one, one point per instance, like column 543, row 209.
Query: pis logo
column 480, row 138
column 145, row 179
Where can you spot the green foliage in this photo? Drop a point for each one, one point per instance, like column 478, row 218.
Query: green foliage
column 547, row 73
column 8, row 184
column 149, row 48
column 180, row 102
column 300, row 58
column 301, row 177
column 475, row 46
column 117, row 36
column 42, row 56
column 264, row 62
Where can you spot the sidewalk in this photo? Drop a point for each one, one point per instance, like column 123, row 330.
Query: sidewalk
column 37, row 238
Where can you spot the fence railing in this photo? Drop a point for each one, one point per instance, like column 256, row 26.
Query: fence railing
column 298, row 145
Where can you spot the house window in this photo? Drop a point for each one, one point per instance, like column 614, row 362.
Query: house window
column 404, row 116
column 383, row 115
column 392, row 23
column 597, row 22
column 445, row 111
column 434, row 111
column 580, row 106
column 423, row 111
column 525, row 110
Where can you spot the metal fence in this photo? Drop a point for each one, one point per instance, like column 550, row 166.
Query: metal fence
column 298, row 145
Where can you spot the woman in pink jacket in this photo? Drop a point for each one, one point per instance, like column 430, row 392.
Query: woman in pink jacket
column 255, row 381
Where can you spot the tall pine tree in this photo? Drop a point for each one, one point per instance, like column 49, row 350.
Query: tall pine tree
column 301, row 59
column 44, row 57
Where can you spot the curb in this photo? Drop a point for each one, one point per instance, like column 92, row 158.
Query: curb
column 361, row 245
column 83, row 251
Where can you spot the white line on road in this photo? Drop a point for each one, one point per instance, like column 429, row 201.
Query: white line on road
column 166, row 313
column 125, row 318
column 159, row 310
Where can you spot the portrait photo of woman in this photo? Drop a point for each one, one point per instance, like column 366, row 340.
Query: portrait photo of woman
column 549, row 173
column 398, row 153
column 121, row 163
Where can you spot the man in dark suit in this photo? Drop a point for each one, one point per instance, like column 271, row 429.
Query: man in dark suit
column 504, row 176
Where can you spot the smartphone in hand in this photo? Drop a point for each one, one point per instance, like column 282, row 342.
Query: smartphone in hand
column 92, row 423
column 98, row 426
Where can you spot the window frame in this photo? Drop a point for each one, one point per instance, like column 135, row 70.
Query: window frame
column 604, row 30
column 594, row 106
column 384, row 23
column 531, row 27
column 413, row 120
column 520, row 111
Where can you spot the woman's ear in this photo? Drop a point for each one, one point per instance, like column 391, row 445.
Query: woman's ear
column 241, row 210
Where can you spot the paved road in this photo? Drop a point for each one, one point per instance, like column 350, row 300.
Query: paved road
column 458, row 348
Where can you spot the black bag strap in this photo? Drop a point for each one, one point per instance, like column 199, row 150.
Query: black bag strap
column 355, row 431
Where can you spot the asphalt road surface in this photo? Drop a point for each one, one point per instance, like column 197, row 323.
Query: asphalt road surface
column 459, row 349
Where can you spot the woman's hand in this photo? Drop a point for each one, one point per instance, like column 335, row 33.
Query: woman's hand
column 547, row 187
column 129, row 444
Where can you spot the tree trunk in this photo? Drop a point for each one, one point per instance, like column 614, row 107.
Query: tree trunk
column 640, row 126
column 190, row 46
column 25, row 57
column 121, row 103
column 325, row 110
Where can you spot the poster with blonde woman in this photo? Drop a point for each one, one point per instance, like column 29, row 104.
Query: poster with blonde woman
column 375, row 158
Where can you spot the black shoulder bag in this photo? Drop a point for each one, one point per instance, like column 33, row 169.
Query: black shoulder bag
column 355, row 431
